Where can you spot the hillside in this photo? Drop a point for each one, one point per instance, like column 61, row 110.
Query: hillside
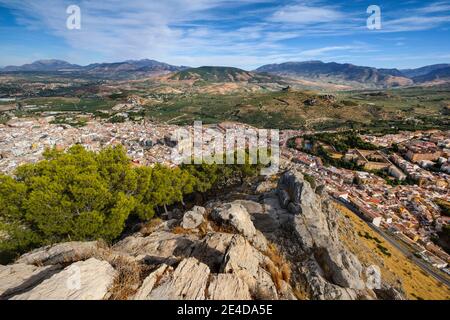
column 130, row 69
column 442, row 74
column 223, row 74
column 336, row 72
column 42, row 66
column 413, row 73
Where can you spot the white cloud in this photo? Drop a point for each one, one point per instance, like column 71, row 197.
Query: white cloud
column 303, row 14
column 199, row 32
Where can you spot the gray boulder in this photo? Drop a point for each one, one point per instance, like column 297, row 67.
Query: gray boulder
column 188, row 282
column 234, row 214
column 150, row 282
column 314, row 227
column 84, row 280
column 18, row 278
column 228, row 287
column 62, row 253
column 248, row 264
column 159, row 247
column 194, row 218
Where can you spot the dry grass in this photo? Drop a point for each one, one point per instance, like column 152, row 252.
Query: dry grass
column 150, row 227
column 416, row 284
column 180, row 230
column 129, row 278
column 279, row 269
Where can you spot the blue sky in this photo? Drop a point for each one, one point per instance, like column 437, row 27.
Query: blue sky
column 241, row 33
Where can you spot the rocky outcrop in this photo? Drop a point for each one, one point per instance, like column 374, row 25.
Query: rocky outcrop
column 279, row 244
column 150, row 282
column 159, row 247
column 332, row 271
column 61, row 253
column 212, row 249
column 194, row 218
column 236, row 215
column 228, row 287
column 84, row 280
column 19, row 278
column 188, row 282
column 248, row 263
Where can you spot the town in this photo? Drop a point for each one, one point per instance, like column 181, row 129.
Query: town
column 412, row 212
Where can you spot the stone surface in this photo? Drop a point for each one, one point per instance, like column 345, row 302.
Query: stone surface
column 18, row 278
column 188, row 282
column 212, row 249
column 228, row 287
column 159, row 246
column 314, row 226
column 320, row 288
column 236, row 215
column 265, row 186
column 194, row 218
column 248, row 263
column 62, row 253
column 84, row 280
column 150, row 282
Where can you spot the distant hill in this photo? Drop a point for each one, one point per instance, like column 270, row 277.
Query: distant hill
column 439, row 74
column 43, row 66
column 413, row 73
column 223, row 74
column 120, row 70
column 130, row 69
column 337, row 72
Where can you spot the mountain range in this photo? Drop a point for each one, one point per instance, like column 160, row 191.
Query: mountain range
column 126, row 69
column 339, row 73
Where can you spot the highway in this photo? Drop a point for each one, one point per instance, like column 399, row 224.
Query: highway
column 403, row 248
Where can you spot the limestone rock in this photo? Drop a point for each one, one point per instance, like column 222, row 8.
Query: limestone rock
column 188, row 282
column 159, row 246
column 248, row 263
column 212, row 249
column 321, row 289
column 265, row 186
column 194, row 218
column 18, row 278
column 342, row 267
column 235, row 215
column 314, row 227
column 61, row 253
column 84, row 280
column 228, row 287
column 389, row 293
column 150, row 282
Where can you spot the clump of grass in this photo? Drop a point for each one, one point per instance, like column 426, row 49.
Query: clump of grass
column 150, row 227
column 129, row 278
column 384, row 250
column 279, row 269
column 180, row 230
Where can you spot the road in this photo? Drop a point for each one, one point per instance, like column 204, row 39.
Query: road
column 430, row 270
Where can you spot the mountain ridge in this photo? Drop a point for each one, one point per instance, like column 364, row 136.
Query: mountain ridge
column 314, row 70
